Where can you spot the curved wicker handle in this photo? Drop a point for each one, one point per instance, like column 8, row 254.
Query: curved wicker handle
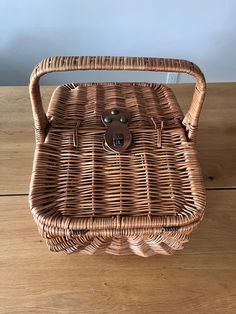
column 55, row 64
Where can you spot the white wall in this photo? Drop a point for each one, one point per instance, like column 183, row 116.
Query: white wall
column 201, row 31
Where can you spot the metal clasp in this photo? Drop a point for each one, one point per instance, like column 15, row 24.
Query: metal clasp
column 117, row 137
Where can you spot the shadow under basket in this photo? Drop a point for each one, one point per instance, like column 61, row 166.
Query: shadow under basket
column 115, row 167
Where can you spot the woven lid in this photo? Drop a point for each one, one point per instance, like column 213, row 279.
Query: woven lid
column 76, row 178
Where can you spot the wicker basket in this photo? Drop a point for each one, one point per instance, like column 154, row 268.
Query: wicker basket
column 115, row 167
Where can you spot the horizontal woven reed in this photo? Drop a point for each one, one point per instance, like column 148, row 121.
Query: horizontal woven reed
column 84, row 198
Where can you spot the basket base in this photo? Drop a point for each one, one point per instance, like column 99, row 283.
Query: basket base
column 142, row 245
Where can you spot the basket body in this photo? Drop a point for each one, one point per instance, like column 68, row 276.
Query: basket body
column 145, row 200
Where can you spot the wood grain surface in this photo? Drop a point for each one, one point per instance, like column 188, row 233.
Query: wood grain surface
column 199, row 279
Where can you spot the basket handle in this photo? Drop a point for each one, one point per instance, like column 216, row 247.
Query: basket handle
column 60, row 63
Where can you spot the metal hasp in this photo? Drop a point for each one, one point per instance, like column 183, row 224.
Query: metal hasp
column 117, row 137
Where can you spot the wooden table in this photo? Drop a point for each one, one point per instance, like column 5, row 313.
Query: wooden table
column 199, row 279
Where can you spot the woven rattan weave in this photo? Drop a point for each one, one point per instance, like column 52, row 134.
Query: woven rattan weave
column 85, row 198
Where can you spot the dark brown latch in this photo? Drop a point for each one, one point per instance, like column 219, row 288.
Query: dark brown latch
column 117, row 137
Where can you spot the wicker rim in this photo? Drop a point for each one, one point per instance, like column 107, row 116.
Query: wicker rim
column 118, row 223
column 73, row 233
column 74, row 63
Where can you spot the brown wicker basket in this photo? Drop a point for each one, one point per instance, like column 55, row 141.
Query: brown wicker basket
column 115, row 167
